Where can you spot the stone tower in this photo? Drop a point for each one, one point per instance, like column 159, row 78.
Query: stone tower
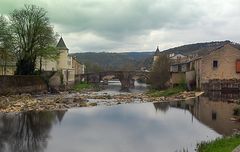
column 63, row 56
column 156, row 55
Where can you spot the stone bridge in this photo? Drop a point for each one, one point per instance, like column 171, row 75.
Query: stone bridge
column 127, row 78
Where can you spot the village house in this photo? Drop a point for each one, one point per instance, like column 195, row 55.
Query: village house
column 219, row 65
column 78, row 67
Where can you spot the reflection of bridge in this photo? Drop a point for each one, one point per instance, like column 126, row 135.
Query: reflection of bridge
column 127, row 78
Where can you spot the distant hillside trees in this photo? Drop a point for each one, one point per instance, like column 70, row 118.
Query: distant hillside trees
column 93, row 68
column 116, row 61
column 32, row 37
column 160, row 73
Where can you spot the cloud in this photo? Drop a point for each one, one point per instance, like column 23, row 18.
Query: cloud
column 126, row 25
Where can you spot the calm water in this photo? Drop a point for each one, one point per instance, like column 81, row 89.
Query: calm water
column 160, row 127
column 113, row 88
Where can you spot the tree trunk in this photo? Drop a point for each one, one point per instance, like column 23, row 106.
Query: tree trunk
column 40, row 68
column 25, row 66
column 5, row 67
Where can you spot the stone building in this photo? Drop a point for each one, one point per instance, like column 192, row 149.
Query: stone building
column 79, row 68
column 64, row 63
column 221, row 63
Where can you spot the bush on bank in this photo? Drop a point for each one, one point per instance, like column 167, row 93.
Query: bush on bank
column 166, row 93
column 82, row 86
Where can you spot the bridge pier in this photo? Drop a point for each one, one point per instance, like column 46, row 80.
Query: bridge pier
column 126, row 80
column 125, row 84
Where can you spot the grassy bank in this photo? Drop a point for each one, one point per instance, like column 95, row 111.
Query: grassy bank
column 82, row 86
column 167, row 92
column 226, row 144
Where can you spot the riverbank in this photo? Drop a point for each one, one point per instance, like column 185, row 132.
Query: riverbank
column 225, row 144
column 67, row 100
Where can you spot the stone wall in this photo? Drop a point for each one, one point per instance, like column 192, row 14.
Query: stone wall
column 226, row 85
column 21, row 84
column 177, row 78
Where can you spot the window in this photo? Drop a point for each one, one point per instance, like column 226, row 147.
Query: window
column 238, row 66
column 214, row 115
column 179, row 68
column 215, row 64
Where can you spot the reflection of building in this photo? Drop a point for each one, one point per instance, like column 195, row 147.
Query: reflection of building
column 215, row 114
column 222, row 96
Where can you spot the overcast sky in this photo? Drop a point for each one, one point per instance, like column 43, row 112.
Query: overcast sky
column 137, row 25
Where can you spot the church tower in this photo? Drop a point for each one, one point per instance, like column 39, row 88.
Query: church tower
column 156, row 55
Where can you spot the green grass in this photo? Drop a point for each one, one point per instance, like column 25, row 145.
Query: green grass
column 226, row 144
column 167, row 92
column 82, row 86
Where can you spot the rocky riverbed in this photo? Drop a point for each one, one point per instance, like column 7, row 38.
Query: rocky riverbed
column 66, row 100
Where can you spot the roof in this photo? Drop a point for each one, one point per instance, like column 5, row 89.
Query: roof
column 157, row 52
column 76, row 59
column 232, row 44
column 61, row 45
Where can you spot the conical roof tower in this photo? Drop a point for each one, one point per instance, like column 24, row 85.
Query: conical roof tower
column 61, row 45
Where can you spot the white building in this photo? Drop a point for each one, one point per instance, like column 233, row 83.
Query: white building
column 64, row 63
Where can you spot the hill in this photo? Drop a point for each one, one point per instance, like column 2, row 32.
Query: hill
column 136, row 60
column 198, row 48
column 114, row 61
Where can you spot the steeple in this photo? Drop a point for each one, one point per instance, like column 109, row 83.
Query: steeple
column 61, row 45
column 157, row 52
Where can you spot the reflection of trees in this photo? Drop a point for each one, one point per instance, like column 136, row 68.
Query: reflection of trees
column 161, row 106
column 27, row 132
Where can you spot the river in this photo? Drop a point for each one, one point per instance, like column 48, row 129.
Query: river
column 153, row 127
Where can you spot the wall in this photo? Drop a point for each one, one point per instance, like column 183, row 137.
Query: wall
column 47, row 65
column 177, row 78
column 21, row 84
column 190, row 76
column 62, row 62
column 78, row 67
column 226, row 57
column 10, row 70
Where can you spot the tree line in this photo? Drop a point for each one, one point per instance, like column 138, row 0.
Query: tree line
column 27, row 37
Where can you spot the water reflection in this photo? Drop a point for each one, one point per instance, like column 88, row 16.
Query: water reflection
column 222, row 96
column 166, row 127
column 113, row 88
column 27, row 132
column 215, row 114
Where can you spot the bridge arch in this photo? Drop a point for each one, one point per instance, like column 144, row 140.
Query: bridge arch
column 125, row 77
